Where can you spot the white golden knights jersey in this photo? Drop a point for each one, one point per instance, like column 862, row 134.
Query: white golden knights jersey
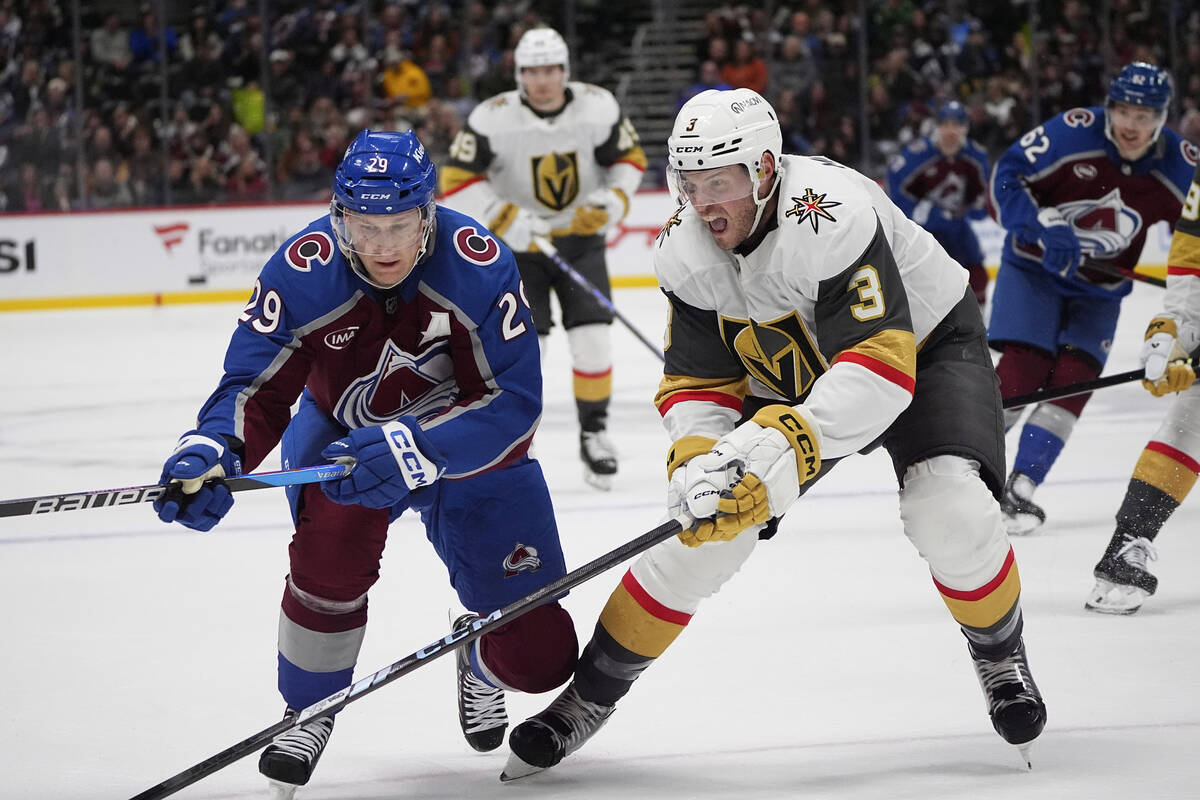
column 509, row 156
column 828, row 309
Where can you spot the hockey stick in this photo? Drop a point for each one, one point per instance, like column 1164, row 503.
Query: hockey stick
column 1117, row 273
column 1080, row 388
column 74, row 501
column 458, row 638
column 551, row 252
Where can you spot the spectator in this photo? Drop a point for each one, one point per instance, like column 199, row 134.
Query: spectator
column 793, row 70
column 105, row 189
column 709, row 77
column 144, row 40
column 747, row 70
column 405, row 83
column 302, row 176
column 110, row 44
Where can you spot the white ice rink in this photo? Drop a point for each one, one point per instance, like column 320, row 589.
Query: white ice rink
column 829, row 668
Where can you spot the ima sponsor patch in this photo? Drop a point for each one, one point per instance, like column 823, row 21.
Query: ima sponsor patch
column 812, row 207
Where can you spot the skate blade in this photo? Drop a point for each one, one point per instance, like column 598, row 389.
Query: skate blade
column 281, row 791
column 1113, row 598
column 1023, row 751
column 1021, row 524
column 601, row 482
column 517, row 768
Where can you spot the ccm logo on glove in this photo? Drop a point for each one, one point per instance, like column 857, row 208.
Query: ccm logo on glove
column 408, row 456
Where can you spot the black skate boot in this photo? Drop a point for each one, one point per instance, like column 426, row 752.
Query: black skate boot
column 1122, row 581
column 290, row 759
column 480, row 705
column 1021, row 514
column 546, row 738
column 599, row 458
column 1013, row 700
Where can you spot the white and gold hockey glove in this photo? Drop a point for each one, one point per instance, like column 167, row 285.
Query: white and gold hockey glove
column 751, row 474
column 1166, row 362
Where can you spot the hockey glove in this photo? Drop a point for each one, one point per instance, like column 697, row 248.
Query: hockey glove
column 1061, row 251
column 763, row 461
column 196, row 497
column 388, row 461
column 681, row 453
column 517, row 226
column 1166, row 362
column 599, row 210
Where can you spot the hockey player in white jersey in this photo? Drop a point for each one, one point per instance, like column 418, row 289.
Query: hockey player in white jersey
column 1169, row 465
column 555, row 158
column 809, row 320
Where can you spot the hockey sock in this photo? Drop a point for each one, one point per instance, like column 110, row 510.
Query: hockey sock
column 634, row 629
column 1161, row 480
column 990, row 616
column 592, row 393
column 1042, row 440
column 978, row 279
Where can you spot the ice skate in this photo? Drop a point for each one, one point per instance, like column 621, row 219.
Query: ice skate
column 546, row 738
column 1013, row 700
column 290, row 759
column 1021, row 514
column 481, row 711
column 599, row 458
column 1122, row 581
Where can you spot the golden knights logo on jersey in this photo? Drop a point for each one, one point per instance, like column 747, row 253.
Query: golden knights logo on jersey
column 555, row 179
column 812, row 207
column 779, row 353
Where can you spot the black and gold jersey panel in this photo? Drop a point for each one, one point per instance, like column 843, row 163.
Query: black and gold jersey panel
column 1184, row 256
column 469, row 158
column 622, row 144
column 698, row 364
column 862, row 315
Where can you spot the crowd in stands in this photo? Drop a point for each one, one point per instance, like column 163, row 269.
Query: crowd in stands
column 259, row 110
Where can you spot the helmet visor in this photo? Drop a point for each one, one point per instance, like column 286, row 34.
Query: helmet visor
column 704, row 187
column 382, row 235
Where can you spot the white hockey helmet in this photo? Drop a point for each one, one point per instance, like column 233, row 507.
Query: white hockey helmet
column 541, row 47
column 721, row 128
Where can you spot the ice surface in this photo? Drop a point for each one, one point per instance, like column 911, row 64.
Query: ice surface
column 828, row 669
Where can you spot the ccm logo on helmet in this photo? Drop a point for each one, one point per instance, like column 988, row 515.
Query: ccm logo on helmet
column 374, row 196
column 690, row 149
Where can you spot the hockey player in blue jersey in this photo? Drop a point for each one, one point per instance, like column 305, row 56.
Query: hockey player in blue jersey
column 1077, row 195
column 402, row 329
column 940, row 182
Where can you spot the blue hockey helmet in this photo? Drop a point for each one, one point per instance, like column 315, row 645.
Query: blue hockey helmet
column 383, row 173
column 952, row 111
column 1141, row 84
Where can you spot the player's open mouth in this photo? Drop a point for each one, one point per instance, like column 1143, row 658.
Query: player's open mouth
column 718, row 225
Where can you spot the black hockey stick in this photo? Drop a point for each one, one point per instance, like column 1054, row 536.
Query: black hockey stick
column 1113, row 271
column 102, row 498
column 366, row 685
column 551, row 252
column 1079, row 388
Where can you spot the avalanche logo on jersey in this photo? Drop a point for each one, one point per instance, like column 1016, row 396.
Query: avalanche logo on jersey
column 523, row 558
column 1105, row 227
column 780, row 353
column 811, row 206
column 555, row 179
column 402, row 383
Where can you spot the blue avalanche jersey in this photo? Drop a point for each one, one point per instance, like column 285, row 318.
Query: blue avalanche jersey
column 452, row 345
column 1068, row 163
